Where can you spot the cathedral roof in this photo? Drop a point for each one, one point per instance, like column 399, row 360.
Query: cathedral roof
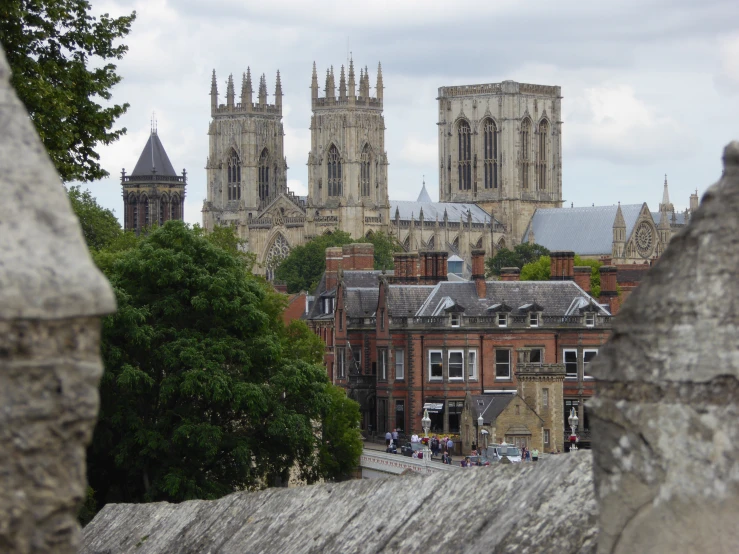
column 432, row 210
column 424, row 195
column 587, row 230
column 153, row 159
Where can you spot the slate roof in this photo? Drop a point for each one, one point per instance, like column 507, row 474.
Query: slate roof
column 361, row 302
column 432, row 210
column 368, row 280
column 679, row 217
column 586, row 230
column 630, row 275
column 153, row 156
column 424, row 195
column 405, row 300
column 555, row 297
column 490, row 406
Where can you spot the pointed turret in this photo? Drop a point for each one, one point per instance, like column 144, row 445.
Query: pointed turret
column 246, row 90
column 278, row 91
column 619, row 234
column 352, row 83
column 361, row 82
column 263, row 90
column 332, row 82
column 213, row 93
column 666, row 199
column 328, row 83
column 366, row 82
column 379, row 81
column 342, row 85
column 314, row 83
column 424, row 195
column 230, row 91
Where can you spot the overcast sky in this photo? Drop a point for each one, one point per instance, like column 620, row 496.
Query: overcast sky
column 650, row 86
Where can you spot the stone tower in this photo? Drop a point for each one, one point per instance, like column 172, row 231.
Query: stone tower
column 153, row 193
column 541, row 387
column 500, row 146
column 246, row 166
column 347, row 164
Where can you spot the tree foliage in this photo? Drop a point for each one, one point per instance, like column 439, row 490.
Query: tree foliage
column 521, row 255
column 540, row 270
column 301, row 270
column 594, row 273
column 100, row 227
column 205, row 391
column 60, row 57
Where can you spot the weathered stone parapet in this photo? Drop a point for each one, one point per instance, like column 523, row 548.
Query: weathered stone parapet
column 51, row 297
column 666, row 418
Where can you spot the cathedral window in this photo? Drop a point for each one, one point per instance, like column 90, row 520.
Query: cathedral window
column 134, row 214
column 490, row 144
column 364, row 177
column 525, row 152
column 147, row 215
column 174, row 206
column 277, row 252
column 162, row 203
column 264, row 175
column 465, row 155
column 333, row 161
column 542, row 162
column 234, row 177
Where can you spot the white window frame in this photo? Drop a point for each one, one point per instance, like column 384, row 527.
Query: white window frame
column 547, row 437
column 499, row 377
column 449, row 364
column 585, row 363
column 441, row 355
column 577, row 362
column 357, row 358
column 341, row 355
column 533, row 319
column 399, row 364
column 382, row 362
column 544, row 398
column 502, row 319
column 472, row 364
column 590, row 319
column 456, row 320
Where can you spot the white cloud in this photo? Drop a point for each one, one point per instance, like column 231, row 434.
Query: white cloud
column 418, row 152
column 727, row 77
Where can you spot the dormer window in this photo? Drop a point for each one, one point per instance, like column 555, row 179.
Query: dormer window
column 533, row 319
column 502, row 319
column 590, row 320
column 456, row 320
column 328, row 305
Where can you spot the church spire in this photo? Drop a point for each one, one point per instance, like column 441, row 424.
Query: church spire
column 352, row 83
column 246, row 90
column 230, row 91
column 332, row 82
column 262, row 89
column 342, row 85
column 665, row 205
column 278, row 91
column 379, row 81
column 314, row 83
column 213, row 93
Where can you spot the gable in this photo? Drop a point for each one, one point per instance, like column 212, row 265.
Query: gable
column 280, row 208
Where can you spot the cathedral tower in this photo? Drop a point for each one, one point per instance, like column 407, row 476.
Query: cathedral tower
column 347, row 164
column 500, row 146
column 246, row 166
column 153, row 193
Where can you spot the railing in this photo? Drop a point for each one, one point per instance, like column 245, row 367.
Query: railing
column 326, row 219
column 491, row 321
column 360, row 321
column 154, row 177
column 370, row 219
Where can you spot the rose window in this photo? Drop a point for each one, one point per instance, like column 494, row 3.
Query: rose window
column 644, row 238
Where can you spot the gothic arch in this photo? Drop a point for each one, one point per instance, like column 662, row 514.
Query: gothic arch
column 163, row 207
column 407, row 242
column 174, row 207
column 146, row 207
column 233, row 174
column 334, row 171
column 455, row 243
column 464, row 154
column 365, row 168
column 478, row 244
column 542, row 133
column 501, row 243
column 431, row 244
column 490, row 152
column 525, row 151
column 278, row 250
column 263, row 175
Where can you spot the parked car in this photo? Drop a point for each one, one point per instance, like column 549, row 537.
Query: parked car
column 479, row 460
column 410, row 447
column 497, row 451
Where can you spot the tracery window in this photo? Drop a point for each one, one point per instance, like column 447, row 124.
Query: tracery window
column 465, row 155
column 542, row 162
column 147, row 216
column 134, row 214
column 364, row 171
column 234, row 177
column 490, row 153
column 162, row 204
column 525, row 152
column 277, row 252
column 174, row 208
column 264, row 175
column 333, row 161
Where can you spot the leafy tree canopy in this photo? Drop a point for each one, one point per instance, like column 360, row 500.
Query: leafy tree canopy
column 100, row 227
column 205, row 391
column 540, row 270
column 303, row 267
column 60, row 58
column 521, row 255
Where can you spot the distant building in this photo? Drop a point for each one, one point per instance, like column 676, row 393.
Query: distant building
column 153, row 193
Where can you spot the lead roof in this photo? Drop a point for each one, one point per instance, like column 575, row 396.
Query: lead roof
column 153, row 157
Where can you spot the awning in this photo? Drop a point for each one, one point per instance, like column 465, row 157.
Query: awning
column 434, row 407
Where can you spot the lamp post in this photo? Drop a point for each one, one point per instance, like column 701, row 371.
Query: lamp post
column 574, row 420
column 480, row 423
column 426, row 424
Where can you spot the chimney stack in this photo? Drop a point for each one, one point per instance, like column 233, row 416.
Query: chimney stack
column 358, row 256
column 334, row 262
column 608, row 290
column 510, row 274
column 562, row 265
column 433, row 267
column 478, row 272
column 582, row 277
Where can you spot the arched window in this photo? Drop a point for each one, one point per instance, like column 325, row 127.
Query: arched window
column 175, row 207
column 525, row 152
column 277, row 252
column 234, row 177
column 334, row 172
column 490, row 146
column 465, row 155
column 542, row 161
column 364, row 171
column 147, row 215
column 162, row 208
column 264, row 175
column 134, row 213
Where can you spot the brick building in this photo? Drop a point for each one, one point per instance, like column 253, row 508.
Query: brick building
column 416, row 338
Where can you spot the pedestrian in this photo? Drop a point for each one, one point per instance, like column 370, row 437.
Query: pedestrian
column 450, row 446
column 535, row 455
column 395, row 436
column 388, row 438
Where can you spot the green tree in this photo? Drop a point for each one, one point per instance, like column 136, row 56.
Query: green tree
column 385, row 246
column 303, row 267
column 339, row 449
column 303, row 344
column 594, row 273
column 203, row 393
column 99, row 226
column 60, row 57
column 521, row 255
column 540, row 270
